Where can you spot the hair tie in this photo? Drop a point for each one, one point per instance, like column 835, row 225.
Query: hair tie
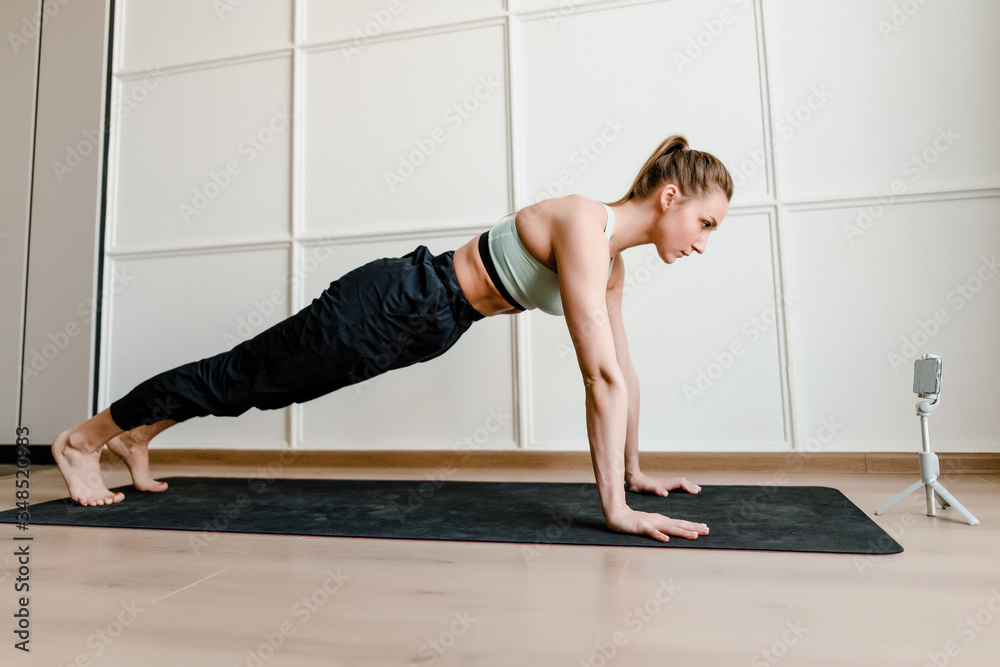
column 686, row 148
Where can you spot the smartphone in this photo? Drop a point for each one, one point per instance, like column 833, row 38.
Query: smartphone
column 927, row 375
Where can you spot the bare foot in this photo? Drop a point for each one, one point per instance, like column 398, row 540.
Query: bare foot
column 133, row 449
column 82, row 471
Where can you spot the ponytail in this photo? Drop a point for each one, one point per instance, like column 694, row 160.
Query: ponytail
column 693, row 172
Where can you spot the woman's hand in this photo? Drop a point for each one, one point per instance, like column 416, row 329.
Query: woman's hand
column 657, row 526
column 641, row 483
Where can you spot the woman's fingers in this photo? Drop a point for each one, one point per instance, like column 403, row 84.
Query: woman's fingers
column 682, row 528
column 690, row 487
column 661, row 487
column 653, row 525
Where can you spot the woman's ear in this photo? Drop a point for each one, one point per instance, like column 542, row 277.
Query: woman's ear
column 668, row 195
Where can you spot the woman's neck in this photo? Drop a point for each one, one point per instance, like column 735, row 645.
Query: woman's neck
column 634, row 224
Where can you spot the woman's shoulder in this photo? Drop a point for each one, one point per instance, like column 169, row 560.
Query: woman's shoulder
column 576, row 204
column 566, row 210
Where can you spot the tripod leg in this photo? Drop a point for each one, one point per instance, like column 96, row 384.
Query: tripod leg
column 944, row 503
column 966, row 514
column 908, row 491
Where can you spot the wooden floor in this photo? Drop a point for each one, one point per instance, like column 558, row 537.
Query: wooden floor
column 151, row 598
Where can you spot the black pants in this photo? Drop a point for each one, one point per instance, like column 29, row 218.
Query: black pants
column 387, row 314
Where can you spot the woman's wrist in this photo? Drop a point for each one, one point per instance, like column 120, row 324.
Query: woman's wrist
column 613, row 516
column 630, row 473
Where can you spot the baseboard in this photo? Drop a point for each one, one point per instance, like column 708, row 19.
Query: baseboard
column 952, row 463
column 826, row 462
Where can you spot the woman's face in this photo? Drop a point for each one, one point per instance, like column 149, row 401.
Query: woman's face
column 685, row 224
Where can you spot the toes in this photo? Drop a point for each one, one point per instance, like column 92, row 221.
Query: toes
column 150, row 485
column 94, row 502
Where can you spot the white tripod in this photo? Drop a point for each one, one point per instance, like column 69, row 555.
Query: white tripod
column 929, row 464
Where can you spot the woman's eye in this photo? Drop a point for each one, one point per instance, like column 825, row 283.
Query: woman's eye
column 706, row 224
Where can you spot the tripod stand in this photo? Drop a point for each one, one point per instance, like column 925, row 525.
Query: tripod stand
column 930, row 467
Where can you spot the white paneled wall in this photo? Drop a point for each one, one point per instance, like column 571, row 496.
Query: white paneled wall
column 890, row 85
column 266, row 148
column 205, row 156
column 156, row 33
column 384, row 143
column 601, row 88
column 354, row 23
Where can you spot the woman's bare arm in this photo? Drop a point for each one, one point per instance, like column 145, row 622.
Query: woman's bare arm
column 581, row 253
column 635, row 479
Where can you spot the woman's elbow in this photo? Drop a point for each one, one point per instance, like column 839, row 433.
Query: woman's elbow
column 603, row 379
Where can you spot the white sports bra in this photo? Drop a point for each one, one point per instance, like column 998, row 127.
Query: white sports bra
column 529, row 283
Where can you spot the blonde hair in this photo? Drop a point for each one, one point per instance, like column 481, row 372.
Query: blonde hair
column 674, row 161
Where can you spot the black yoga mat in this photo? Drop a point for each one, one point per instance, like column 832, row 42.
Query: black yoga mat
column 769, row 518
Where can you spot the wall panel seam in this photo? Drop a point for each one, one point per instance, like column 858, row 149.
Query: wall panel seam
column 521, row 381
column 778, row 254
column 23, row 314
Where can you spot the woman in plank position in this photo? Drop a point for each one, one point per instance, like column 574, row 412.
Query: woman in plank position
column 560, row 255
